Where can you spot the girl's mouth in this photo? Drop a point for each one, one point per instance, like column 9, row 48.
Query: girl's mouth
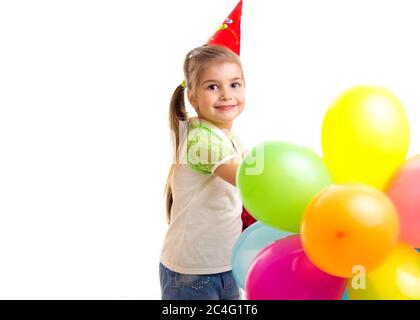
column 225, row 107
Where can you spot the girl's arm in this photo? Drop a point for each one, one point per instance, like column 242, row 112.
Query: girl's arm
column 227, row 171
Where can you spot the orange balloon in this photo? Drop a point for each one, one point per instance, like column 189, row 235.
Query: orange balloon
column 348, row 227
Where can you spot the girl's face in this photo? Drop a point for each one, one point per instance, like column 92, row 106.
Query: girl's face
column 220, row 94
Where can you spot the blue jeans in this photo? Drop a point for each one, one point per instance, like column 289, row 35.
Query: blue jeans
column 178, row 286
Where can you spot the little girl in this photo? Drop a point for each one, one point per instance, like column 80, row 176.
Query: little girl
column 202, row 201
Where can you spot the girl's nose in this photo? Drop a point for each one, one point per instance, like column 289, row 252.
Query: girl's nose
column 226, row 95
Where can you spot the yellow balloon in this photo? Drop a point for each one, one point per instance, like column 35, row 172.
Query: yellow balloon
column 398, row 278
column 365, row 136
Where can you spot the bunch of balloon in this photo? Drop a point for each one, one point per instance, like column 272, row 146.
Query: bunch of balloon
column 355, row 212
column 373, row 211
column 276, row 181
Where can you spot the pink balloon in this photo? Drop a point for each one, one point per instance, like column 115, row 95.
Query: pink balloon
column 404, row 191
column 282, row 271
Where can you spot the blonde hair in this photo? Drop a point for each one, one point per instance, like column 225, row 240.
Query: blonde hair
column 194, row 63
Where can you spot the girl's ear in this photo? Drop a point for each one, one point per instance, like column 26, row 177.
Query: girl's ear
column 192, row 99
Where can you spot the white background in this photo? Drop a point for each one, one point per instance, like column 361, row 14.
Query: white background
column 84, row 139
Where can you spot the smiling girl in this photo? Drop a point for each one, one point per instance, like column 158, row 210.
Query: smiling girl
column 203, row 204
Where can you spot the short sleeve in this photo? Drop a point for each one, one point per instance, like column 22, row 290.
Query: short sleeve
column 241, row 147
column 208, row 149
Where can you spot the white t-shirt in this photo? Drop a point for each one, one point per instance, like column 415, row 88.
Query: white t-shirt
column 206, row 210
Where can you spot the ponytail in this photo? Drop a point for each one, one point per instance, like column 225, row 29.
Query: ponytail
column 177, row 113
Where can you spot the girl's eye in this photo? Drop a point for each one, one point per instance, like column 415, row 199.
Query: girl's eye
column 236, row 85
column 212, row 87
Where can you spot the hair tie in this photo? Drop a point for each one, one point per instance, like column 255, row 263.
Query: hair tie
column 183, row 84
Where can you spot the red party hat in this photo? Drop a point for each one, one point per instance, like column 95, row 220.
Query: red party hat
column 229, row 33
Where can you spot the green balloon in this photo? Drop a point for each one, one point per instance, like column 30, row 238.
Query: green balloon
column 277, row 180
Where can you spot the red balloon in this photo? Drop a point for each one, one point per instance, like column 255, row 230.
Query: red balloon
column 247, row 219
column 404, row 191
